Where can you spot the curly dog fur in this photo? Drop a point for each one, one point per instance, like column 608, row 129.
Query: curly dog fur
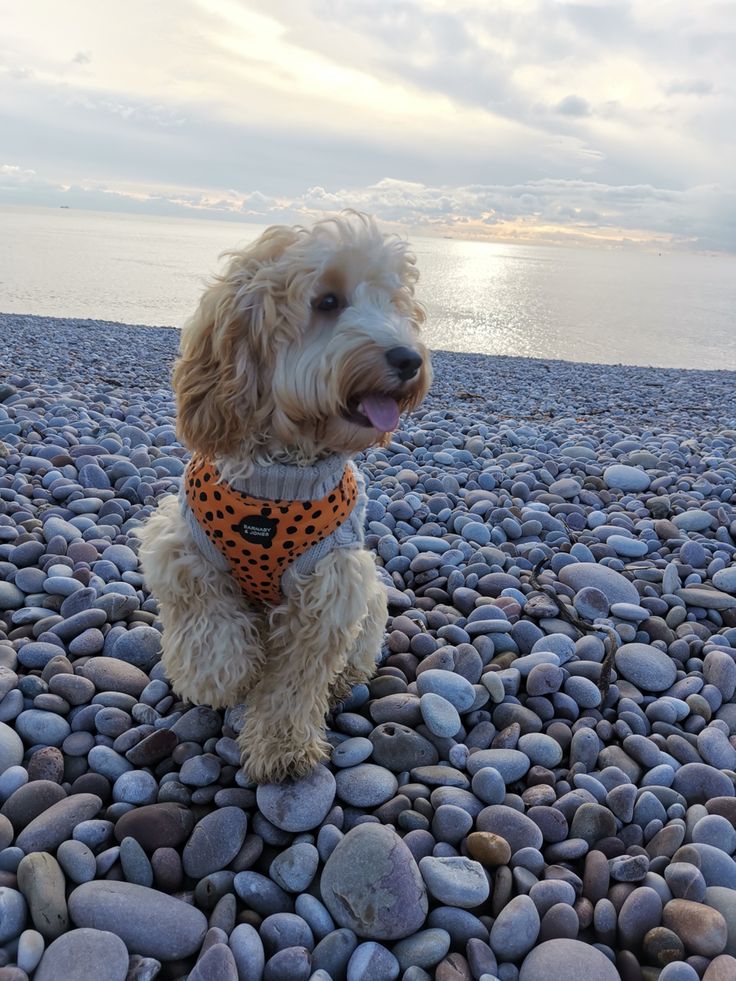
column 285, row 351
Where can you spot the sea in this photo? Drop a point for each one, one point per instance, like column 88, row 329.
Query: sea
column 599, row 305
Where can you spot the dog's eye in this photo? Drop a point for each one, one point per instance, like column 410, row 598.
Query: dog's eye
column 329, row 303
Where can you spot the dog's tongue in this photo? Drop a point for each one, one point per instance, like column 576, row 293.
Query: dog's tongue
column 382, row 411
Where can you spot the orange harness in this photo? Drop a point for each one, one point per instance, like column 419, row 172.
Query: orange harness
column 261, row 538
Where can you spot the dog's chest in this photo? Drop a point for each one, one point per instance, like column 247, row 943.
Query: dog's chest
column 260, row 538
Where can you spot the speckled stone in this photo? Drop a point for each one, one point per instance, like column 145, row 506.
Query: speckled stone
column 702, row 929
column 371, row 884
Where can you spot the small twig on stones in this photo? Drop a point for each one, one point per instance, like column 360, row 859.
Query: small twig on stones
column 581, row 625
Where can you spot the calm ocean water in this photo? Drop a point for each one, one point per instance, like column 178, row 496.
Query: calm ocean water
column 618, row 306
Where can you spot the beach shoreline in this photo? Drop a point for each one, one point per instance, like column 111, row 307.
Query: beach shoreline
column 545, row 820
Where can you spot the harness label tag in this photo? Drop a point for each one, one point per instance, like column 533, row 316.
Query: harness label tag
column 258, row 529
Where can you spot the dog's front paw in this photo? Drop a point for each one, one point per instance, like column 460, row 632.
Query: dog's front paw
column 274, row 761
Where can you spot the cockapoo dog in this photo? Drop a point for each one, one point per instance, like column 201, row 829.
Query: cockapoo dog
column 301, row 354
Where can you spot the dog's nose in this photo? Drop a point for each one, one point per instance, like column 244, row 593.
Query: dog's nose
column 405, row 362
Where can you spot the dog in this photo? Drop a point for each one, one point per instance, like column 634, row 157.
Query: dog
column 302, row 353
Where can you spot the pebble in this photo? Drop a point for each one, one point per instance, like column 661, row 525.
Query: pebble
column 84, row 953
column 298, row 805
column 569, row 959
column 215, row 841
column 372, row 960
column 365, row 785
column 11, row 748
column 54, row 825
column 457, row 881
column 372, row 859
column 13, row 913
column 41, row 881
column 646, row 667
column 515, row 929
column 702, row 929
column 149, row 922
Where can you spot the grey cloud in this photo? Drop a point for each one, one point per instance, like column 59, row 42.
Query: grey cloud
column 573, row 105
column 689, row 86
column 82, row 58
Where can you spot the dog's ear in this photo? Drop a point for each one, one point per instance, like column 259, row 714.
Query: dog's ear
column 222, row 377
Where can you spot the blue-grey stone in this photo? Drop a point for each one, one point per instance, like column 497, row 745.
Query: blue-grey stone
column 85, row 953
column 215, row 841
column 298, row 805
column 371, row 884
column 645, row 666
column 149, row 922
column 455, row 881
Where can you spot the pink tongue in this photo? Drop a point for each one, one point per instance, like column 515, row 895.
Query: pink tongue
column 382, row 411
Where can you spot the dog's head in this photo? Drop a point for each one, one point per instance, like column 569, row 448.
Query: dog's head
column 309, row 341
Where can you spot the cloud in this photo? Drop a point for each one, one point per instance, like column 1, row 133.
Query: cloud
column 516, row 118
column 689, row 86
column 573, row 105
column 549, row 210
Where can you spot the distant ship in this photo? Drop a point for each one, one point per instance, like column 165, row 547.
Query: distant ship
column 64, row 206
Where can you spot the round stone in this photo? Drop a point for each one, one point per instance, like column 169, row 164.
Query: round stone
column 510, row 763
column 295, row 868
column 149, row 922
column 623, row 477
column 702, row 929
column 298, row 805
column 452, row 687
column 371, row 884
column 11, row 748
column 723, row 900
column 489, row 849
column 365, row 785
column 215, row 841
column 41, row 881
column 591, row 822
column 641, row 912
column 440, row 716
column 698, row 783
column 647, row 667
column 216, row 962
column 424, row 949
column 511, row 825
column 30, row 800
column 454, row 881
column 85, row 953
column 569, row 959
column 515, row 929
column 54, row 825
column 372, row 960
column 13, row 913
column 156, row 825
column 397, row 748
column 615, row 587
column 540, row 749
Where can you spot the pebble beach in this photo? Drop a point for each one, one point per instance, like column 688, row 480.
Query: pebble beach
column 496, row 808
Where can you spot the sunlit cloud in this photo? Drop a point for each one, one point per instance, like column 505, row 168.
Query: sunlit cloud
column 520, row 119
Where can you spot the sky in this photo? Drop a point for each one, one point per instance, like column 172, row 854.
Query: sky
column 609, row 122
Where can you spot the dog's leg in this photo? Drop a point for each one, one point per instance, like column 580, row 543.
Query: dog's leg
column 362, row 657
column 212, row 650
column 311, row 637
